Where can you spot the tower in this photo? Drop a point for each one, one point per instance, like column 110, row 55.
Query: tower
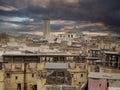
column 46, row 32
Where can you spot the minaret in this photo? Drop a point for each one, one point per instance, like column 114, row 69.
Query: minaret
column 46, row 32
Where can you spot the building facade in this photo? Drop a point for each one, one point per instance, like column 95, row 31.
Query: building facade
column 43, row 72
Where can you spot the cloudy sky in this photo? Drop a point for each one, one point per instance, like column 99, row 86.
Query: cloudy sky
column 26, row 16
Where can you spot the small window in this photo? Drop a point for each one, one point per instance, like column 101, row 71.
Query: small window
column 33, row 75
column 16, row 77
column 71, row 36
column 96, row 69
column 34, row 87
column 72, row 75
column 107, row 84
column 7, row 75
column 68, row 36
column 0, row 66
column 81, row 75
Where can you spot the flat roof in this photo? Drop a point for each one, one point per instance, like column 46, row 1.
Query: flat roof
column 56, row 66
column 95, row 49
column 111, row 53
column 93, row 58
column 104, row 75
column 45, row 54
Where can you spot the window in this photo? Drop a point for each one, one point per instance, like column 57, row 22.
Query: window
column 96, row 69
column 0, row 66
column 72, row 75
column 33, row 75
column 81, row 75
column 19, row 86
column 68, row 36
column 99, row 85
column 71, row 36
column 107, row 84
column 7, row 75
column 16, row 77
column 34, row 87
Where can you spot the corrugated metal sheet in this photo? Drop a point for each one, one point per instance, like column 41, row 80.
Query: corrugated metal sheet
column 93, row 58
column 12, row 52
column 109, row 52
column 95, row 49
column 56, row 66
column 104, row 75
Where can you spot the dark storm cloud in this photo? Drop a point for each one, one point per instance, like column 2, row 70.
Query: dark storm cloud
column 106, row 11
column 84, row 9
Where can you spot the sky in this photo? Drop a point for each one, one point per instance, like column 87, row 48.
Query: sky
column 26, row 16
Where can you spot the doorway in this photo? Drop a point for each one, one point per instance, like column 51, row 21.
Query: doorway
column 34, row 87
column 19, row 86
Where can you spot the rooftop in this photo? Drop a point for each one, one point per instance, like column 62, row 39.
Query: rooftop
column 112, row 53
column 56, row 66
column 95, row 49
column 75, row 30
column 104, row 75
column 44, row 54
column 93, row 58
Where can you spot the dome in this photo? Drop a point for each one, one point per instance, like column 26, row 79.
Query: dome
column 76, row 31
